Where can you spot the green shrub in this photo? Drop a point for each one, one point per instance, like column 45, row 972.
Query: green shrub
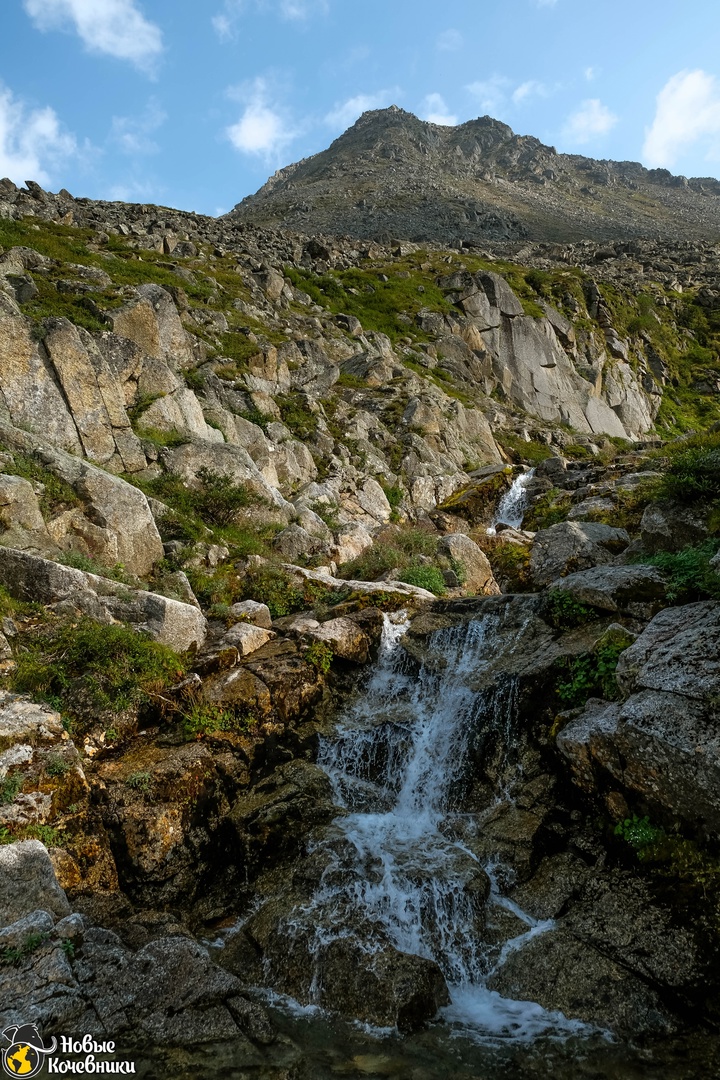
column 638, row 832
column 220, row 498
column 57, row 766
column 690, row 576
column 115, row 666
column 563, row 611
column 205, row 719
column 320, row 656
column 396, row 548
column 592, row 675
column 9, row 788
column 424, row 577
column 140, row 781
column 694, row 470
column 58, row 494
column 296, row 415
column 273, row 586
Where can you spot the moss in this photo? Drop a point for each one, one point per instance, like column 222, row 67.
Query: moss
column 550, row 509
column 510, row 565
column 297, row 416
column 203, row 719
column 521, row 452
column 320, row 655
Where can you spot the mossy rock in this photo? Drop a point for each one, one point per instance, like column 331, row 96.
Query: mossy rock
column 477, row 502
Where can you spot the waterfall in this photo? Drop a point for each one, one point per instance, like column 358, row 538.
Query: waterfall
column 400, row 861
column 512, row 506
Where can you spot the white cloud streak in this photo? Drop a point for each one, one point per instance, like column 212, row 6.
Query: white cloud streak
column 491, row 93
column 225, row 22
column 111, row 27
column 450, row 41
column 435, row 111
column 687, row 111
column 32, row 142
column 262, row 129
column 347, row 112
column 132, row 134
column 590, row 121
column 531, row 88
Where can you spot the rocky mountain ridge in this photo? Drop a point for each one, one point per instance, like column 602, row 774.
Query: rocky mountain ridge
column 393, row 175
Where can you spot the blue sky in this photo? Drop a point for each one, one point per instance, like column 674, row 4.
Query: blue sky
column 193, row 103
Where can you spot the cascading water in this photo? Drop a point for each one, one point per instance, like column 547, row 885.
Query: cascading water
column 400, row 866
column 512, row 506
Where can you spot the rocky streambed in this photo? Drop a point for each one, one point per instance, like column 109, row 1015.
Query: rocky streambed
column 435, row 859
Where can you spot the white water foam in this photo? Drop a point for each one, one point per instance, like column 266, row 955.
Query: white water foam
column 397, row 871
column 511, row 508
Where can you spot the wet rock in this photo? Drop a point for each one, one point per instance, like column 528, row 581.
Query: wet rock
column 272, row 820
column 571, row 546
column 559, row 971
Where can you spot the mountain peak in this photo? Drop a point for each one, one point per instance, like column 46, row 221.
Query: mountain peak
column 392, row 173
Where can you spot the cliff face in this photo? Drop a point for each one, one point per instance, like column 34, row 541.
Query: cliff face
column 392, row 175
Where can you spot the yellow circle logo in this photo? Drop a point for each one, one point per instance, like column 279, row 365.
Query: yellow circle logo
column 22, row 1060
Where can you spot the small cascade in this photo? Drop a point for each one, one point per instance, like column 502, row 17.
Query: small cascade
column 400, row 866
column 511, row 508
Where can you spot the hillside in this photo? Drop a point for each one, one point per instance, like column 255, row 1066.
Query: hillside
column 392, row 175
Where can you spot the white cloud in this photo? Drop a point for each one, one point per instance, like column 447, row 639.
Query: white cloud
column 589, row 121
column 687, row 111
column 302, row 9
column 435, row 111
column 346, row 113
column 491, row 93
column 590, row 73
column 114, row 27
column 262, row 129
column 546, row 3
column 32, row 142
column 133, row 134
column 450, row 41
column 225, row 23
column 530, row 89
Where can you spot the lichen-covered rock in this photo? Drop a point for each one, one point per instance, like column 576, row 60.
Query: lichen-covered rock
column 344, row 637
column 628, row 589
column 571, row 546
column 28, row 577
column 476, row 573
column 662, row 743
column 28, row 883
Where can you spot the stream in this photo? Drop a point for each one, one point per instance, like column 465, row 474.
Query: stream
column 401, row 870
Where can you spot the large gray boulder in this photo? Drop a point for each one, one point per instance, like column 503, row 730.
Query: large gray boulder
column 571, row 546
column 626, row 589
column 28, row 882
column 28, row 577
column 476, row 572
column 663, row 743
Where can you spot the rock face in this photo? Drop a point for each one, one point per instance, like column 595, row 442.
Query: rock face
column 626, row 589
column 571, row 546
column 168, row 991
column 661, row 743
column 27, row 577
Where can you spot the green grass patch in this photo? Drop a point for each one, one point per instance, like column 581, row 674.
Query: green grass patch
column 115, row 667
column 690, row 576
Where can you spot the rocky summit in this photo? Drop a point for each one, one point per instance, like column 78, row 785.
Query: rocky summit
column 359, row 623
column 392, row 175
